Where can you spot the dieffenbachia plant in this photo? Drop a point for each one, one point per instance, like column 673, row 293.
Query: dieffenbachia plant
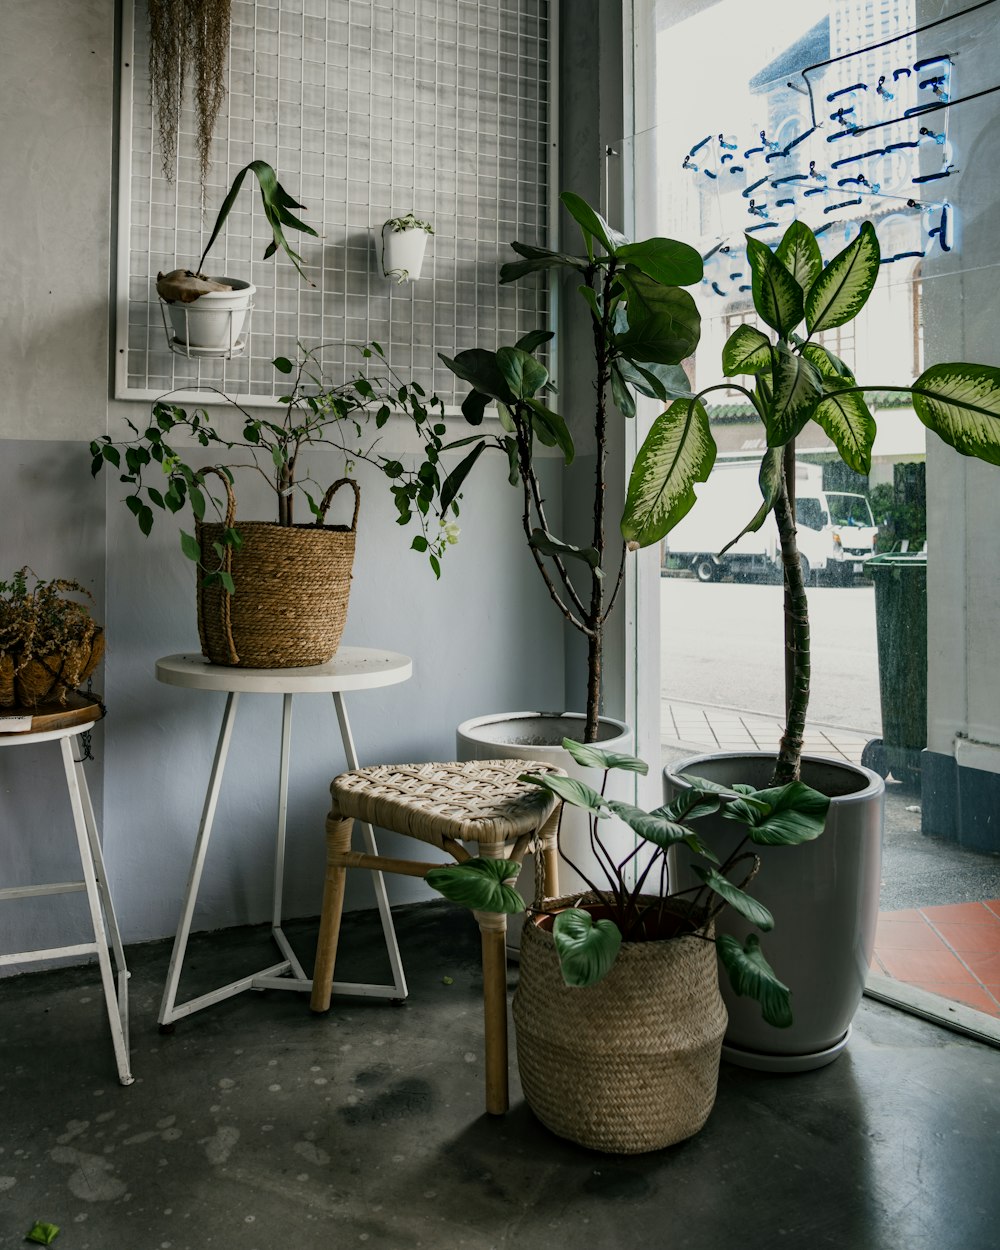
column 779, row 816
column 643, row 325
column 795, row 379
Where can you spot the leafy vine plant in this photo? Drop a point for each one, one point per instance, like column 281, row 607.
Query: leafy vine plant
column 796, row 380
column 318, row 412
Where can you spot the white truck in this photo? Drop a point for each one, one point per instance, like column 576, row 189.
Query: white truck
column 836, row 530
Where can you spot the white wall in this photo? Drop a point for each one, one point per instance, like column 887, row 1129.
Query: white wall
column 483, row 639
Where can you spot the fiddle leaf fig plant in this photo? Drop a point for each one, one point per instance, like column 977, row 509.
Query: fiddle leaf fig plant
column 794, row 379
column 785, row 815
column 643, row 325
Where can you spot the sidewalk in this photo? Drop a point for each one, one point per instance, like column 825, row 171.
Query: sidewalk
column 939, row 922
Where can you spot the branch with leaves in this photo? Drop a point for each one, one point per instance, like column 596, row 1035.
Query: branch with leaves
column 784, row 816
column 796, row 380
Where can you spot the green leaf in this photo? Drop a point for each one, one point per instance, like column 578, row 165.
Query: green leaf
column 590, row 756
column 474, row 407
column 283, row 364
column 549, row 545
column 480, row 884
column 226, row 580
column 664, row 260
column 537, row 259
column 659, row 830
column 769, row 481
column 661, row 382
column 111, row 455
column 664, row 324
column 961, row 404
column 691, row 805
column 797, row 390
column 842, row 289
column 747, row 350
column 783, row 816
column 586, row 950
column 749, row 908
column 592, row 224
column 848, row 423
column 453, row 482
column 679, row 451
column 551, row 429
column 197, row 502
column 522, row 372
column 621, row 394
column 534, row 339
column 799, row 252
column 751, row 974
column 776, row 295
column 190, row 546
column 480, row 368
column 830, row 367
column 571, row 791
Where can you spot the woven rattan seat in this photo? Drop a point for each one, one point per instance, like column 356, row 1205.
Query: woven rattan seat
column 446, row 806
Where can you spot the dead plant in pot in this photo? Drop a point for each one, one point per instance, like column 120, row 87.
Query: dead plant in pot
column 618, row 1014
column 49, row 642
column 273, row 594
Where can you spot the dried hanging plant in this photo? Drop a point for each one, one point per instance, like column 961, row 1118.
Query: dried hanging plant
column 187, row 38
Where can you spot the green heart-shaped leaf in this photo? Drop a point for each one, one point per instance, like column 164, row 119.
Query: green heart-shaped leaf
column 480, row 884
column 751, row 974
column 591, row 756
column 586, row 950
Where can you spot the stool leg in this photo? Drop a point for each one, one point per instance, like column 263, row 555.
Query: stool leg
column 493, row 931
column 338, row 841
column 548, row 861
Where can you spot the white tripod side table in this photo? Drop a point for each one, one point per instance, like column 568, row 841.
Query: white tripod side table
column 62, row 723
column 351, row 669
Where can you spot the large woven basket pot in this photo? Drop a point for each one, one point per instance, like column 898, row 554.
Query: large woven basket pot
column 292, row 588
column 630, row 1064
column 49, row 676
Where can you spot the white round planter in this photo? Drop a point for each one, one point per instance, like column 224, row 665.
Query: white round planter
column 824, row 897
column 537, row 737
column 214, row 321
column 403, row 253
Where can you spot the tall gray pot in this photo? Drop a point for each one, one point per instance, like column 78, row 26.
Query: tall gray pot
column 824, row 898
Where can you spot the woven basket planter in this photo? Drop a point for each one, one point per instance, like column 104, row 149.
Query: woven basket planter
column 292, row 588
column 49, row 676
column 632, row 1063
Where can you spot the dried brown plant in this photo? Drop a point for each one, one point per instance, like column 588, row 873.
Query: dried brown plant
column 49, row 644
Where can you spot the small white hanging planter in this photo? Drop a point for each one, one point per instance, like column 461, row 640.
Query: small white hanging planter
column 404, row 241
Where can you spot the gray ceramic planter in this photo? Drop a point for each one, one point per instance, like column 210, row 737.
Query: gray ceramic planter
column 824, row 898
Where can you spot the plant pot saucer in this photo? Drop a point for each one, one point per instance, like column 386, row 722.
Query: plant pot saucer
column 183, row 348
column 760, row 1062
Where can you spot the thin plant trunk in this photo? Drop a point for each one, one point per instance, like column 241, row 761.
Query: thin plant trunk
column 789, row 758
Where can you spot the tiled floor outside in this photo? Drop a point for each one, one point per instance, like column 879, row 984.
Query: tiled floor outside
column 952, row 950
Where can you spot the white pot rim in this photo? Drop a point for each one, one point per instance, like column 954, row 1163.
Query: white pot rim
column 478, row 727
column 240, row 290
column 875, row 784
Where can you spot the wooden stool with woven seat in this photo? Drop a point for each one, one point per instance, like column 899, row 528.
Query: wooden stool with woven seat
column 445, row 805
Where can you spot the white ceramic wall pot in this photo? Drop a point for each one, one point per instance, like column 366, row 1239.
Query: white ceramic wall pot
column 403, row 253
column 824, row 897
column 214, row 322
column 537, row 738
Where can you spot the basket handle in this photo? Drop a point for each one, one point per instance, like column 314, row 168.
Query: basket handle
column 225, row 599
column 328, row 497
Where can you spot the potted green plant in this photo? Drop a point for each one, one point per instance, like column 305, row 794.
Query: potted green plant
column 404, row 241
column 299, row 573
column 643, row 325
column 207, row 314
column 631, row 1064
column 795, row 379
column 49, row 642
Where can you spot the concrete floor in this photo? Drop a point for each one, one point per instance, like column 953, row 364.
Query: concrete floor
column 256, row 1126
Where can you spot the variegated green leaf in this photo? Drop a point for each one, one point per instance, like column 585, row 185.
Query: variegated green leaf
column 751, row 974
column 842, row 289
column 586, row 950
column 679, row 451
column 769, row 480
column 776, row 295
column 829, row 366
column 747, row 350
column 799, row 252
column 846, row 420
column 797, row 389
column 961, row 404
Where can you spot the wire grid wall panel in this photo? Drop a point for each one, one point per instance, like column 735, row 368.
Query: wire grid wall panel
column 367, row 109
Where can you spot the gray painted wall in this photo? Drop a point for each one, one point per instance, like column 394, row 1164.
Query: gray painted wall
column 482, row 640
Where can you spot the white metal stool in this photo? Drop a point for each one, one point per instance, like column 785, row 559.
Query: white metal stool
column 53, row 722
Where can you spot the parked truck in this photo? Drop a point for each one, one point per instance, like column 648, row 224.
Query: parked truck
column 836, row 529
